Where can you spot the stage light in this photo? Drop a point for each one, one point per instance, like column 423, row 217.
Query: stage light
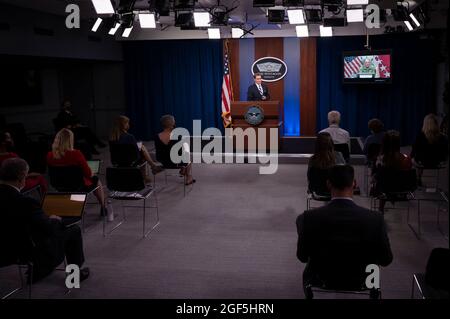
column 263, row 3
column 275, row 16
column 126, row 32
column 314, row 16
column 302, row 31
column 293, row 3
column 326, row 31
column 114, row 29
column 183, row 4
column 357, row 2
column 416, row 22
column 236, row 33
column 355, row 15
column 408, row 25
column 202, row 19
column 97, row 24
column 214, row 33
column 103, row 6
column 296, row 16
column 147, row 20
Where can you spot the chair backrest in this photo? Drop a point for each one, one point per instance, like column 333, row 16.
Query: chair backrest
column 344, row 150
column 16, row 245
column 124, row 179
column 437, row 274
column 123, row 155
column 66, row 178
column 373, row 151
column 389, row 180
column 317, row 181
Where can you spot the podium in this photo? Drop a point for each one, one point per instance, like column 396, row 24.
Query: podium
column 271, row 120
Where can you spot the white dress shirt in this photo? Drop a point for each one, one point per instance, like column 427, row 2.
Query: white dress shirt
column 338, row 135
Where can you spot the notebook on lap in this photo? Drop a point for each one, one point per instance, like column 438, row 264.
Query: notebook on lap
column 68, row 206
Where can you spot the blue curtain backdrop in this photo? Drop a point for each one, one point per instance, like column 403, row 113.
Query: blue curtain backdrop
column 182, row 78
column 400, row 105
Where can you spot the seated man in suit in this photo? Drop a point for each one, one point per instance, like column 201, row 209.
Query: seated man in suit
column 339, row 240
column 23, row 219
column 258, row 91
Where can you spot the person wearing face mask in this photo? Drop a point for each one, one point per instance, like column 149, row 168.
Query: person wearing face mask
column 23, row 220
column 6, row 151
column 258, row 91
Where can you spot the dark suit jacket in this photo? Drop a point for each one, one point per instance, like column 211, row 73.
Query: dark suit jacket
column 22, row 219
column 254, row 95
column 338, row 241
column 65, row 119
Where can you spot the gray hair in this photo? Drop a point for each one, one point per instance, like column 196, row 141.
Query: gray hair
column 13, row 170
column 334, row 117
column 167, row 120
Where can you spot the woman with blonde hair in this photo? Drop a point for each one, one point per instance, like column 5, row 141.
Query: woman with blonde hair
column 431, row 147
column 120, row 135
column 64, row 154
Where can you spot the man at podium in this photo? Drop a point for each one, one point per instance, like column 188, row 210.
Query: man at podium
column 258, row 91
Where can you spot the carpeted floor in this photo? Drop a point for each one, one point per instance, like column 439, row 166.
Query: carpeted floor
column 232, row 236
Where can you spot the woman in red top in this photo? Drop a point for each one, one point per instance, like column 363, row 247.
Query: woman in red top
column 63, row 154
column 33, row 179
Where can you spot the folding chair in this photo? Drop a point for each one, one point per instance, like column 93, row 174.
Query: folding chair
column 317, row 186
column 22, row 259
column 340, row 283
column 373, row 151
column 344, row 150
column 434, row 283
column 68, row 179
column 34, row 193
column 124, row 155
column 127, row 184
column 436, row 168
column 393, row 185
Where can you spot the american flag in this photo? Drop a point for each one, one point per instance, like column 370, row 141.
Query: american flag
column 227, row 91
column 352, row 65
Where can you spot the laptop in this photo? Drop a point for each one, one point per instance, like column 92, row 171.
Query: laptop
column 94, row 165
column 68, row 206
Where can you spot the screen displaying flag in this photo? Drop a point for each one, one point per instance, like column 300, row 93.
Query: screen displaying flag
column 367, row 66
column 227, row 92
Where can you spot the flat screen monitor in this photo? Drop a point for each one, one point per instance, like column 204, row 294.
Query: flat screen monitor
column 367, row 66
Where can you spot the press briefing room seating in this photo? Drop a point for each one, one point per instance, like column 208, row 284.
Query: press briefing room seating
column 68, row 179
column 126, row 184
column 317, row 186
column 20, row 256
column 344, row 150
column 435, row 282
column 124, row 155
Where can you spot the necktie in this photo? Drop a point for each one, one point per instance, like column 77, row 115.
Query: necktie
column 260, row 89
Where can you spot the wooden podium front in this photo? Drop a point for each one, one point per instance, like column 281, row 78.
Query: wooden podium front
column 271, row 120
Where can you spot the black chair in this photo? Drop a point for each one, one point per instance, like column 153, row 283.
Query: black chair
column 34, row 193
column 66, row 178
column 344, row 150
column 22, row 258
column 432, row 167
column 317, row 186
column 342, row 278
column 373, row 151
column 69, row 179
column 435, row 282
column 394, row 185
column 126, row 184
column 125, row 155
